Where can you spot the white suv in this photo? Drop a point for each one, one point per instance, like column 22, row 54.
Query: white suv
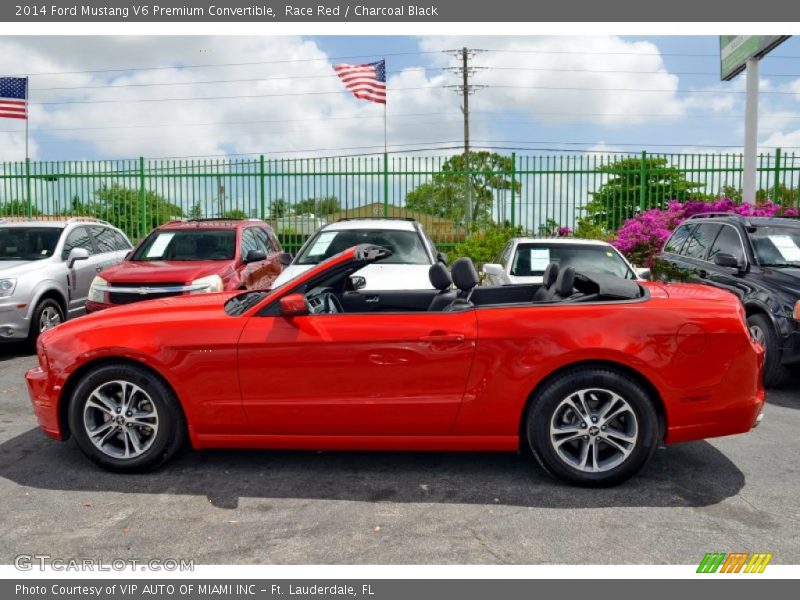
column 413, row 252
column 46, row 267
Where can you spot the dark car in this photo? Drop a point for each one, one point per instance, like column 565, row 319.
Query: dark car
column 756, row 258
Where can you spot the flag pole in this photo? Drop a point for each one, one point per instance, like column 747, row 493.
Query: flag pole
column 385, row 144
column 27, row 114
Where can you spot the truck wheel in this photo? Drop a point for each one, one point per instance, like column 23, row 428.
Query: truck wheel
column 761, row 329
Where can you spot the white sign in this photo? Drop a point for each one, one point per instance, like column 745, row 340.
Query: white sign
column 787, row 247
column 161, row 243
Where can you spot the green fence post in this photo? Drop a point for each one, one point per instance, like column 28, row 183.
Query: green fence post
column 385, row 184
column 28, row 186
column 776, row 189
column 262, row 184
column 513, row 186
column 142, row 198
column 643, row 182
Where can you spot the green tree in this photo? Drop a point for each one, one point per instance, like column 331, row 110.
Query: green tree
column 196, row 211
column 18, row 208
column 484, row 246
column 445, row 194
column 630, row 181
column 122, row 207
column 234, row 213
column 324, row 205
column 278, row 208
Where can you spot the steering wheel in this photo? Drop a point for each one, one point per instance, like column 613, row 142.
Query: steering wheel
column 332, row 304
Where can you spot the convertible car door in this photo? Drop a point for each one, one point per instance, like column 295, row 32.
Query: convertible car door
column 356, row 374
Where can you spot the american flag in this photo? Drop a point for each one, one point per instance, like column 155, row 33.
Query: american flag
column 367, row 82
column 14, row 97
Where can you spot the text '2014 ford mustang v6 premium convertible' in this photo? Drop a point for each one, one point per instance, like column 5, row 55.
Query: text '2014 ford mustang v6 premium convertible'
column 591, row 372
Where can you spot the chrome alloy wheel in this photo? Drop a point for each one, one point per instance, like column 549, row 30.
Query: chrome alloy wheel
column 593, row 430
column 49, row 318
column 120, row 419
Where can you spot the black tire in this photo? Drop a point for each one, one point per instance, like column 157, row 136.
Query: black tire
column 47, row 304
column 775, row 374
column 547, row 406
column 170, row 434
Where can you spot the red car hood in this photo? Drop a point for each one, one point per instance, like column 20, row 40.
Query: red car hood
column 166, row 271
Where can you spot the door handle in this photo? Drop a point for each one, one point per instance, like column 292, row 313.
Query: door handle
column 98, row 268
column 439, row 338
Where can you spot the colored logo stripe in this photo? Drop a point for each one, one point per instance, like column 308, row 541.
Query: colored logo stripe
column 734, row 562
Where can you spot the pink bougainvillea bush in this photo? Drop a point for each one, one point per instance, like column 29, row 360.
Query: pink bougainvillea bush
column 643, row 236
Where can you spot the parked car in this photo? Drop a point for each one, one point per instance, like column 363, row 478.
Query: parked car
column 413, row 251
column 46, row 266
column 756, row 258
column 523, row 260
column 192, row 257
column 592, row 381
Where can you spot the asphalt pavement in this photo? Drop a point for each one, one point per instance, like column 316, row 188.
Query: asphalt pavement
column 740, row 493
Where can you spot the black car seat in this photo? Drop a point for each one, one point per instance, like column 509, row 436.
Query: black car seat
column 548, row 279
column 564, row 286
column 440, row 279
column 465, row 278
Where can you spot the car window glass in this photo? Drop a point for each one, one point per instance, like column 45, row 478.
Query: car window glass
column 406, row 246
column 728, row 242
column 248, row 242
column 532, row 259
column 120, row 242
column 276, row 245
column 77, row 238
column 28, row 243
column 675, row 243
column 103, row 239
column 505, row 255
column 187, row 244
column 700, row 240
column 262, row 240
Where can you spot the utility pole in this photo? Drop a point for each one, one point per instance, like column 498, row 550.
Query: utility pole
column 466, row 89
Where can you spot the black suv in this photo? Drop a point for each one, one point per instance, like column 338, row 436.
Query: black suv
column 756, row 258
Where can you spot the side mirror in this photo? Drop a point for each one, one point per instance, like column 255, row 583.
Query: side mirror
column 76, row 254
column 493, row 269
column 293, row 305
column 441, row 257
column 356, row 282
column 255, row 256
column 285, row 259
column 723, row 259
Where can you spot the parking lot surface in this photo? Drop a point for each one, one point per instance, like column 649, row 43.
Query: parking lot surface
column 740, row 493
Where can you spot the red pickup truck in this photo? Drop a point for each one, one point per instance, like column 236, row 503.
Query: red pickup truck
column 192, row 257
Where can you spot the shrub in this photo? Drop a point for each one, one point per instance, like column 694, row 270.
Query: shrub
column 483, row 246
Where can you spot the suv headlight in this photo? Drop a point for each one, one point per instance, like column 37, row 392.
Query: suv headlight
column 211, row 283
column 7, row 287
column 97, row 290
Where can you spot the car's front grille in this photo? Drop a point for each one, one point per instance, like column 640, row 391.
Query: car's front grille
column 136, row 292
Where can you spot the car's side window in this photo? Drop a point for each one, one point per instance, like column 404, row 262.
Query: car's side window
column 248, row 242
column 103, row 239
column 700, row 240
column 675, row 243
column 728, row 242
column 120, row 243
column 77, row 238
column 263, row 241
column 505, row 256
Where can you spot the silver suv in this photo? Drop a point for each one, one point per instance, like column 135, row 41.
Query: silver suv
column 46, row 268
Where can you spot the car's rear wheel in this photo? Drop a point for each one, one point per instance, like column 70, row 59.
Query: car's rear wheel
column 762, row 331
column 592, row 427
column 125, row 418
column 47, row 314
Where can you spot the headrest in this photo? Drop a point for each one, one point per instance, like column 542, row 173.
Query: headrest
column 550, row 275
column 565, row 282
column 439, row 276
column 465, row 277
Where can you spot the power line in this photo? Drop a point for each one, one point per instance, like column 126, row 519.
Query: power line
column 635, row 145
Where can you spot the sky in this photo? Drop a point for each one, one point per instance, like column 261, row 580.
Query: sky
column 202, row 96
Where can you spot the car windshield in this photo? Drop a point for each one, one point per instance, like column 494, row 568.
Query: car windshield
column 777, row 246
column 532, row 259
column 188, row 244
column 406, row 246
column 28, row 243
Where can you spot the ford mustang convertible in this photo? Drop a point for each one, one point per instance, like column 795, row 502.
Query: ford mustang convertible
column 589, row 372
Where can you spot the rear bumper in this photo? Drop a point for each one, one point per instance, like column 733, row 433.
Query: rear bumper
column 45, row 402
column 734, row 406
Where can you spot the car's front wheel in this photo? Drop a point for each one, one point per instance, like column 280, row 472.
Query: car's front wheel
column 125, row 418
column 592, row 427
column 47, row 314
column 762, row 331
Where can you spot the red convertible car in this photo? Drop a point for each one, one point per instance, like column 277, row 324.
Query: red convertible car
column 589, row 372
